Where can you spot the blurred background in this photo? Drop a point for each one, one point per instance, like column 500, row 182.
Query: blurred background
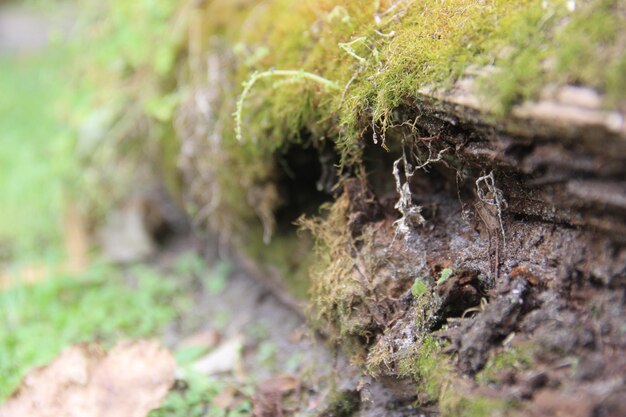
column 55, row 287
column 37, row 159
column 89, row 199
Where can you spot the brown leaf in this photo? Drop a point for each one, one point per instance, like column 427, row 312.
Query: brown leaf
column 85, row 381
column 226, row 399
column 267, row 402
column 281, row 384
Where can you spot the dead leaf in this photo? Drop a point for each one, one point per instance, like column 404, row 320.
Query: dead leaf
column 267, row 404
column 268, row 401
column 226, row 399
column 85, row 381
column 297, row 335
column 281, row 384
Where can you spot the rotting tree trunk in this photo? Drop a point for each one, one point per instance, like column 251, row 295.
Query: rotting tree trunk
column 518, row 233
column 474, row 263
column 520, row 248
column 568, row 151
column 468, row 251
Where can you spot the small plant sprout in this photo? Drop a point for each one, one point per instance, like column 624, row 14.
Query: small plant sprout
column 419, row 287
column 292, row 75
column 445, row 275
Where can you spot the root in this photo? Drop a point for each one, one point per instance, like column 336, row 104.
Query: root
column 411, row 213
column 493, row 197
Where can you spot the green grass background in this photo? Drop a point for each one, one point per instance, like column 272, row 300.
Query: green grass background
column 36, row 153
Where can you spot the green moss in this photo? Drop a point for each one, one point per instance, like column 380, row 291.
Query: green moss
column 375, row 55
column 328, row 69
column 343, row 404
column 446, row 273
column 425, row 364
column 337, row 299
column 439, row 383
column 509, row 359
column 419, row 287
column 335, row 70
column 428, row 43
column 590, row 49
column 457, row 404
column 379, row 67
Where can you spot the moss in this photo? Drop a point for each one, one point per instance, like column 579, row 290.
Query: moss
column 425, row 364
column 336, row 296
column 446, row 273
column 419, row 287
column 343, row 404
column 337, row 71
column 377, row 54
column 590, row 49
column 438, row 382
column 381, row 66
column 509, row 359
column 457, row 404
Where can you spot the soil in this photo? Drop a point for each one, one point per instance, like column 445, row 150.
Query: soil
column 248, row 310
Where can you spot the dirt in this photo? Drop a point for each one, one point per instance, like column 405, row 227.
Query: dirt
column 297, row 371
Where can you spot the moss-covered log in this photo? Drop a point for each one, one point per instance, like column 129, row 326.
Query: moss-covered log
column 457, row 168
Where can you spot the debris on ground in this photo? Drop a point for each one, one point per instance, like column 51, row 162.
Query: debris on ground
column 86, row 381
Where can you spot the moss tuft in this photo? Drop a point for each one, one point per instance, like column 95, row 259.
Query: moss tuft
column 509, row 359
column 455, row 404
column 425, row 364
column 343, row 404
column 335, row 294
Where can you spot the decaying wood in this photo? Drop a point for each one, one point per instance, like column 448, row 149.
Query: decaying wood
column 566, row 152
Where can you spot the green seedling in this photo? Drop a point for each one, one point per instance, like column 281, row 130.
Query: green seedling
column 445, row 275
